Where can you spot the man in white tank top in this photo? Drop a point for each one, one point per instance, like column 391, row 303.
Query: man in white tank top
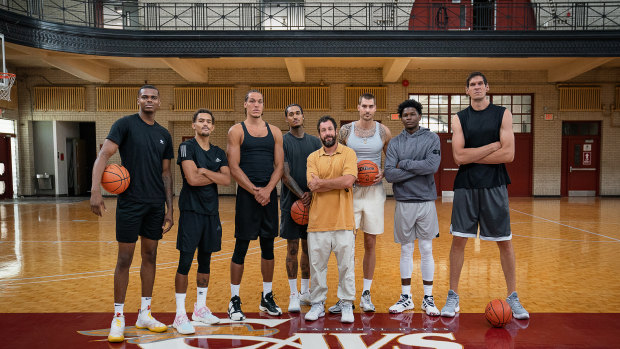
column 368, row 138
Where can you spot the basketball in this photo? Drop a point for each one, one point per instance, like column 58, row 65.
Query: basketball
column 498, row 313
column 115, row 179
column 366, row 172
column 299, row 213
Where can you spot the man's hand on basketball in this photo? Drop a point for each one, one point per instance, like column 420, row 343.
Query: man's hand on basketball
column 168, row 222
column 97, row 205
column 306, row 199
column 262, row 195
column 378, row 177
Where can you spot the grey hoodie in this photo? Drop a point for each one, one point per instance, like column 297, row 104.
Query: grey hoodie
column 418, row 156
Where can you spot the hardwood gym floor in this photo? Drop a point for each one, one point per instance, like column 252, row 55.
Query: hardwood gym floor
column 57, row 261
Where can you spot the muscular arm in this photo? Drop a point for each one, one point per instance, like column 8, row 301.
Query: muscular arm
column 233, row 152
column 290, row 183
column 386, row 135
column 506, row 153
column 201, row 176
column 221, row 177
column 344, row 132
column 109, row 148
column 318, row 185
column 462, row 155
column 166, row 176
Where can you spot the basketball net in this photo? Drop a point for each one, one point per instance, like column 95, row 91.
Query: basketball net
column 6, row 82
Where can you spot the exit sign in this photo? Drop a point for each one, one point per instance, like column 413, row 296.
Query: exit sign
column 548, row 116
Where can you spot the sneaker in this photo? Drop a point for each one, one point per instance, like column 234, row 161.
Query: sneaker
column 346, row 315
column 428, row 304
column 117, row 329
column 452, row 305
column 204, row 314
column 146, row 320
column 337, row 308
column 293, row 303
column 518, row 312
column 304, row 298
column 234, row 309
column 182, row 324
column 404, row 303
column 268, row 304
column 366, row 303
column 317, row 311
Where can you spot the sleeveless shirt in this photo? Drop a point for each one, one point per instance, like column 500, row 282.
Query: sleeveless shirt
column 481, row 128
column 257, row 156
column 366, row 148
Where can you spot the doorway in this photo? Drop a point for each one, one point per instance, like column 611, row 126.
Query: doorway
column 6, row 176
column 581, row 145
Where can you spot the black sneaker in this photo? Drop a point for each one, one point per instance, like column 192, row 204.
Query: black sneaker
column 268, row 304
column 234, row 309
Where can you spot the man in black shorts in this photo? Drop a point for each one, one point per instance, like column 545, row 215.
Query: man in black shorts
column 203, row 167
column 256, row 157
column 297, row 146
column 482, row 142
column 146, row 150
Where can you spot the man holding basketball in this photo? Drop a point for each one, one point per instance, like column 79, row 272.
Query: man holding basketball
column 332, row 170
column 256, row 158
column 368, row 138
column 411, row 161
column 146, row 150
column 203, row 167
column 297, row 146
column 482, row 142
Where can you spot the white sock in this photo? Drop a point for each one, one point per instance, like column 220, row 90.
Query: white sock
column 234, row 290
column 305, row 285
column 367, row 284
column 118, row 309
column 201, row 296
column 266, row 288
column 292, row 283
column 145, row 303
column 405, row 289
column 180, row 297
column 428, row 290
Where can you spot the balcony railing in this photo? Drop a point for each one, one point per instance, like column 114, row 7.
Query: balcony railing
column 451, row 15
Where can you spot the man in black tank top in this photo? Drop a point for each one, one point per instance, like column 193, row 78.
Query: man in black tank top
column 482, row 142
column 256, row 160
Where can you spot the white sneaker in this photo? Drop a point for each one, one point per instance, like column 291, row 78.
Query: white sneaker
column 204, row 314
column 317, row 311
column 304, row 298
column 428, row 304
column 366, row 303
column 293, row 303
column 347, row 312
column 182, row 324
column 404, row 303
column 146, row 320
column 117, row 329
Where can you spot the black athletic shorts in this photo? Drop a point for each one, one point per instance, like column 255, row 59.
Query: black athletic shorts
column 487, row 207
column 289, row 229
column 252, row 219
column 139, row 218
column 199, row 231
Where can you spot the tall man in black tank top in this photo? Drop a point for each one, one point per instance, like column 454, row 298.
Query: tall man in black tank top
column 482, row 142
column 256, row 160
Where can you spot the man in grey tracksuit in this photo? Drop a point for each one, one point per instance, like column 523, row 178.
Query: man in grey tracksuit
column 412, row 158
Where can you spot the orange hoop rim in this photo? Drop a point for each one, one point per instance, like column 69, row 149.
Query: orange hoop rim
column 6, row 75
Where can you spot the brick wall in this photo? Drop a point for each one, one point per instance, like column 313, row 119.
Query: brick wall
column 547, row 134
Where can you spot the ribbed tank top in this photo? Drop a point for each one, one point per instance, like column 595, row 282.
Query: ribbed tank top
column 257, row 156
column 366, row 148
column 481, row 128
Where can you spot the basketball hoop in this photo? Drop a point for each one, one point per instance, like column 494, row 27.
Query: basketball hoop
column 6, row 82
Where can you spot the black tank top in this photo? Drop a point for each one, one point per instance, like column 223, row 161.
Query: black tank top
column 257, row 156
column 481, row 128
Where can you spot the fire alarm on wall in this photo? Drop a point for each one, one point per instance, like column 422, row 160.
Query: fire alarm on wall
column 405, row 82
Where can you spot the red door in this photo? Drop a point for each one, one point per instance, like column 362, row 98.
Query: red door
column 6, row 177
column 520, row 169
column 580, row 165
column 448, row 168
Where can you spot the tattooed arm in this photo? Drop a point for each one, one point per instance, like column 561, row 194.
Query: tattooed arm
column 343, row 135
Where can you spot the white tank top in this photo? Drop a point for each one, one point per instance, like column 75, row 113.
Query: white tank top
column 366, row 148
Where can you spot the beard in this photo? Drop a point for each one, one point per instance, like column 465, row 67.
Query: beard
column 296, row 127
column 328, row 141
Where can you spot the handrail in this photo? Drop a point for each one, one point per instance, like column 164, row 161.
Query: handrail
column 449, row 15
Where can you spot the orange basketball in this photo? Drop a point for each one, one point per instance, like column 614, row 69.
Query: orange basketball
column 498, row 313
column 299, row 213
column 115, row 179
column 366, row 172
